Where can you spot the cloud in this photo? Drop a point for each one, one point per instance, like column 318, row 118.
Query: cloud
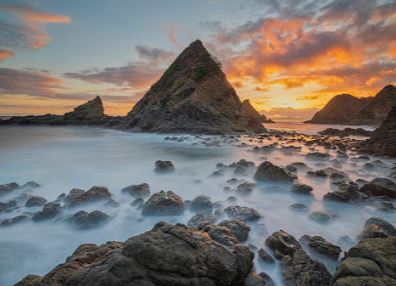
column 137, row 75
column 5, row 54
column 156, row 55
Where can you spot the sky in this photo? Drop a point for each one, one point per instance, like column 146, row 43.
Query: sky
column 289, row 57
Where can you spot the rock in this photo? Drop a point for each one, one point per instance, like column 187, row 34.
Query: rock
column 242, row 167
column 321, row 245
column 163, row 204
column 29, row 280
column 245, row 188
column 297, row 267
column 166, row 255
column 261, row 279
column 244, row 213
column 137, row 191
column 345, row 193
column 164, row 167
column 78, row 197
column 370, row 263
column 298, row 165
column 321, row 216
column 299, row 207
column 31, row 185
column 50, row 210
column 317, row 173
column 341, row 109
column 8, row 188
column 201, row 218
column 238, row 227
column 380, row 187
column 137, row 202
column 193, row 96
column 264, row 256
column 91, row 110
column 302, row 189
column 382, row 141
column 14, row 220
column 201, row 204
column 111, row 203
column 269, row 172
column 85, row 220
column 377, row 227
column 317, row 156
column 35, row 201
column 346, row 132
column 248, row 111
column 221, row 234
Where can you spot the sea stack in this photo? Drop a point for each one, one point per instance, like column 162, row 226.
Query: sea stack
column 91, row 110
column 383, row 139
column 194, row 96
column 248, row 111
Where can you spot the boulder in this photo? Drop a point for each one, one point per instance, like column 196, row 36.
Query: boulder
column 261, row 279
column 297, row 267
column 201, row 204
column 321, row 245
column 321, row 217
column 78, row 197
column 91, row 110
column 164, row 167
column 166, row 255
column 264, row 256
column 84, row 220
column 380, row 187
column 245, row 188
column 238, row 227
column 243, row 213
column 201, row 218
column 35, row 201
column 302, row 189
column 163, row 204
column 50, row 210
column 377, row 227
column 268, row 172
column 14, row 220
column 137, row 191
column 8, row 188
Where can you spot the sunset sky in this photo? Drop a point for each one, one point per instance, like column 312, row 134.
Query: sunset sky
column 289, row 57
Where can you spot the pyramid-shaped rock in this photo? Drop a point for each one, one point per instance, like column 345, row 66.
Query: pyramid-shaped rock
column 383, row 140
column 193, row 95
column 91, row 110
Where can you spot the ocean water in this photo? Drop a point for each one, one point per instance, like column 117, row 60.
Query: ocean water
column 62, row 158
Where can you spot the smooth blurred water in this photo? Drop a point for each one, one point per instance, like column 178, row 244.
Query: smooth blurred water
column 308, row 128
column 62, row 158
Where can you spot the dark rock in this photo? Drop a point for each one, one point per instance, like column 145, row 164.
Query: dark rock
column 137, row 191
column 346, row 132
column 91, row 110
column 29, row 280
column 244, row 213
column 297, row 267
column 272, row 173
column 370, row 263
column 35, row 201
column 245, row 188
column 164, row 167
column 14, row 220
column 50, row 210
column 264, row 256
column 377, row 227
column 163, row 204
column 242, row 167
column 85, row 220
column 166, row 255
column 221, row 234
column 30, row 185
column 201, row 204
column 321, row 245
column 261, row 279
column 201, row 218
column 302, row 189
column 8, row 188
column 78, row 197
column 299, row 207
column 380, row 187
column 238, row 227
column 321, row 216
column 137, row 202
column 317, row 156
column 345, row 193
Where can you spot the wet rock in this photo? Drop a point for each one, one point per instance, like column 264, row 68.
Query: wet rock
column 380, row 187
column 31, row 185
column 232, row 199
column 8, row 188
column 317, row 173
column 264, row 256
column 245, row 188
column 111, row 203
column 201, row 218
column 302, row 189
column 268, row 172
column 50, row 210
column 164, row 167
column 14, row 220
column 244, row 213
column 137, row 202
column 163, row 204
column 298, row 165
column 317, row 156
column 299, row 207
column 370, row 263
column 345, row 193
column 78, row 197
column 233, row 181
column 217, row 173
column 297, row 267
column 84, row 220
column 377, row 227
column 166, row 255
column 137, row 191
column 35, row 201
column 238, row 227
column 201, row 204
column 321, row 245
column 29, row 280
column 221, row 234
column 261, row 279
column 242, row 167
column 321, row 216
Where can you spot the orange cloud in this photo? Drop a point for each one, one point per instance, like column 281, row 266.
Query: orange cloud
column 5, row 54
column 32, row 16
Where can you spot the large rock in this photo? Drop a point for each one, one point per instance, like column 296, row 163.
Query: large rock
column 163, row 204
column 238, row 227
column 243, row 213
column 85, row 220
column 193, row 95
column 268, row 172
column 382, row 141
column 377, row 227
column 380, row 187
column 166, row 255
column 78, row 197
column 201, row 204
column 91, row 110
column 321, row 245
column 137, row 191
column 297, row 268
column 50, row 210
column 35, row 201
column 8, row 188
column 370, row 263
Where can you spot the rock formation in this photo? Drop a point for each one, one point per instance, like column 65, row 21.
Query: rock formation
column 166, row 255
column 91, row 110
column 193, row 95
column 247, row 110
column 382, row 140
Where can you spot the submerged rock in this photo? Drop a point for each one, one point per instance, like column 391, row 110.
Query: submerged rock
column 238, row 227
column 166, row 255
column 297, row 267
column 164, row 167
column 85, row 220
column 163, row 204
column 50, row 210
column 245, row 188
column 299, row 207
column 244, row 213
column 377, row 227
column 201, row 218
column 302, row 189
column 201, row 204
column 322, row 217
column 321, row 245
column 137, row 191
column 78, row 197
column 14, row 220
column 268, row 172
column 264, row 256
column 380, row 187
column 35, row 201
column 8, row 188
